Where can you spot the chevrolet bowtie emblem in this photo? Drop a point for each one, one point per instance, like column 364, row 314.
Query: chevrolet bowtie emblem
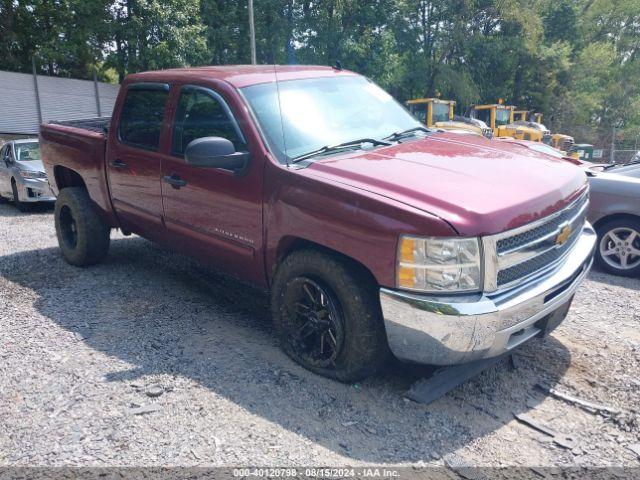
column 563, row 236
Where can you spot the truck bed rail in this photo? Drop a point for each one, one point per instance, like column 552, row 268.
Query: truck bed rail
column 96, row 124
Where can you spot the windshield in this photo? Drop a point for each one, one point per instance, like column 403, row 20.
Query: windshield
column 27, row 151
column 313, row 113
column 502, row 116
column 440, row 112
column 419, row 110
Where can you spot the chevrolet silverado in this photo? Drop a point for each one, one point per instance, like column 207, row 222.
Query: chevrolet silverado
column 373, row 234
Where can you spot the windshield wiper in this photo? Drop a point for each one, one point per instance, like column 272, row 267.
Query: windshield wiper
column 338, row 147
column 404, row 133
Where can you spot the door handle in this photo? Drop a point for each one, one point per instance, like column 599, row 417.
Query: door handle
column 175, row 181
column 118, row 163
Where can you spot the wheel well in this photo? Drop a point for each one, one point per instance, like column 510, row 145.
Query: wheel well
column 65, row 177
column 288, row 245
column 616, row 216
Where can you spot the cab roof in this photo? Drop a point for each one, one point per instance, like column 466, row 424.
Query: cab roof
column 492, row 105
column 431, row 99
column 239, row 76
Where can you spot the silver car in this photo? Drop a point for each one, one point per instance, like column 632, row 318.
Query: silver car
column 22, row 175
column 615, row 213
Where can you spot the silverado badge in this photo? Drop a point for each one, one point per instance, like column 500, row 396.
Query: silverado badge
column 563, row 236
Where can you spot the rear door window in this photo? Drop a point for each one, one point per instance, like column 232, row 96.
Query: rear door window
column 142, row 115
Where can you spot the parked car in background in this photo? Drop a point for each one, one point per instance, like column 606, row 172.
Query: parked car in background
column 631, row 169
column 615, row 214
column 372, row 233
column 536, row 146
column 614, row 209
column 554, row 152
column 22, row 175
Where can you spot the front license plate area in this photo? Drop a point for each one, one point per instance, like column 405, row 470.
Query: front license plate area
column 549, row 323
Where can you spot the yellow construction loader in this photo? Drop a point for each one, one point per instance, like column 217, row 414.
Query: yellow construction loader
column 501, row 119
column 437, row 113
column 527, row 116
column 495, row 115
column 562, row 142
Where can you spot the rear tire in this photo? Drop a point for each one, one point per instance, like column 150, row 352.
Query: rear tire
column 21, row 206
column 618, row 249
column 341, row 334
column 83, row 237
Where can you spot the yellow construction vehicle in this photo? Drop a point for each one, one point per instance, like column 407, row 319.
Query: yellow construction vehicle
column 527, row 116
column 437, row 113
column 432, row 110
column 562, row 142
column 557, row 140
column 495, row 115
column 501, row 119
column 525, row 128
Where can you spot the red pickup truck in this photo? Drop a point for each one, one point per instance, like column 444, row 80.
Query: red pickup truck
column 373, row 234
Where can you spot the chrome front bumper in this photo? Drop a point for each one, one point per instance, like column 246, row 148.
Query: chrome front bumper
column 34, row 190
column 452, row 330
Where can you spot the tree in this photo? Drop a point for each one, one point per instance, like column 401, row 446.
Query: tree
column 151, row 35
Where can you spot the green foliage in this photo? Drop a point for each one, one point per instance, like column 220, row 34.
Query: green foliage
column 577, row 61
column 152, row 35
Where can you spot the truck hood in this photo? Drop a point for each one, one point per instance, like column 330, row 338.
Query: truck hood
column 478, row 186
column 31, row 166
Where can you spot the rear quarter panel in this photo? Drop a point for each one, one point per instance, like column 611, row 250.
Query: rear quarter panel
column 83, row 152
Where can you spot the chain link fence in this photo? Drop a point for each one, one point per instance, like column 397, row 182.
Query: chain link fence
column 617, row 146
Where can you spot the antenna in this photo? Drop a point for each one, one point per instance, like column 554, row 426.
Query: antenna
column 284, row 141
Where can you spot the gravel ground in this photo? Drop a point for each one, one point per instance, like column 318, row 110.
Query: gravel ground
column 81, row 350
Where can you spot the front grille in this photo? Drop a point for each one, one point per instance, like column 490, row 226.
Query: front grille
column 516, row 241
column 533, row 249
column 524, row 269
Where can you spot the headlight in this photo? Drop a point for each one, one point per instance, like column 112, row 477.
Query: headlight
column 433, row 264
column 32, row 174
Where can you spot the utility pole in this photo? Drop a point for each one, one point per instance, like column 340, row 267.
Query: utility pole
column 612, row 158
column 252, row 33
column 96, row 91
column 35, row 89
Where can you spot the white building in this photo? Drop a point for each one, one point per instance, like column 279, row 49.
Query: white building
column 27, row 100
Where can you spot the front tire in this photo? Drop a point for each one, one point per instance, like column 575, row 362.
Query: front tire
column 327, row 316
column 83, row 237
column 21, row 206
column 618, row 249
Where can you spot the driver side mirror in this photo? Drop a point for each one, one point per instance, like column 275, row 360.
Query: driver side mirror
column 215, row 152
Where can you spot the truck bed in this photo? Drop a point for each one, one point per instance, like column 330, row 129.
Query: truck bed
column 78, row 146
column 95, row 124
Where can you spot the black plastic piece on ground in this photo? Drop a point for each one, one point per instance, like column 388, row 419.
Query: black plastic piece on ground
column 427, row 390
